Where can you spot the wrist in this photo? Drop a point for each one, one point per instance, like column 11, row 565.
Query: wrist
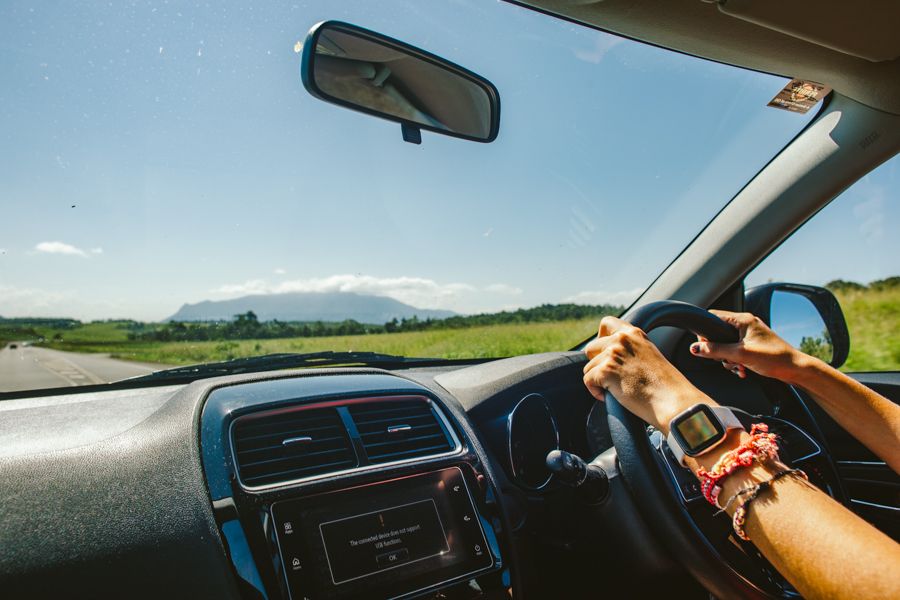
column 677, row 401
column 804, row 368
column 733, row 439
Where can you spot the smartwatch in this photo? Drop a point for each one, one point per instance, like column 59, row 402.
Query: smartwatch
column 699, row 429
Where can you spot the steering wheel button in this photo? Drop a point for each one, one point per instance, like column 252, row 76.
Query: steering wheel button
column 691, row 490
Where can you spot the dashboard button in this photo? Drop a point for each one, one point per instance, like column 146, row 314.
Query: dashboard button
column 392, row 558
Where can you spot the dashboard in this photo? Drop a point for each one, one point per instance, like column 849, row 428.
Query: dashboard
column 333, row 483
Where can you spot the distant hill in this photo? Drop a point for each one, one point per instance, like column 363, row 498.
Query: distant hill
column 308, row 306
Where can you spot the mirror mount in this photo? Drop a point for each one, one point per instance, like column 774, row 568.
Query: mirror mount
column 758, row 300
column 377, row 75
column 411, row 133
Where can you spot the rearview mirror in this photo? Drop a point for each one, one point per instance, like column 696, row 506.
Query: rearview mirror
column 807, row 317
column 374, row 74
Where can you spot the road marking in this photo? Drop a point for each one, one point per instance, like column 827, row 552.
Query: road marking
column 69, row 371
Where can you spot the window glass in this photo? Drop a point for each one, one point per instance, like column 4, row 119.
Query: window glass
column 852, row 248
column 172, row 195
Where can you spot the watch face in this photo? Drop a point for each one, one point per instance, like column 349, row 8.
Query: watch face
column 697, row 429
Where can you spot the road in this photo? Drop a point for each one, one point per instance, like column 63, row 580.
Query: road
column 29, row 367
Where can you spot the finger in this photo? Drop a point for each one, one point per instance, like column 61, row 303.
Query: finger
column 593, row 386
column 609, row 325
column 739, row 320
column 602, row 358
column 598, row 393
column 593, row 362
column 717, row 351
column 597, row 346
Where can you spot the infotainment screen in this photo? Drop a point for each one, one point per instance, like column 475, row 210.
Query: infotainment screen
column 382, row 540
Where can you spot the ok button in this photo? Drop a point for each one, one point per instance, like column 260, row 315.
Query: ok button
column 393, row 557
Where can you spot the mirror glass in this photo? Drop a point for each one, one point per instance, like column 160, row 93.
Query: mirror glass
column 796, row 319
column 365, row 72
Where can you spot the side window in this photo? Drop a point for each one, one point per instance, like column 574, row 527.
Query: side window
column 852, row 247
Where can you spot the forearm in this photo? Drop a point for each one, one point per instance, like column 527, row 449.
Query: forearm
column 822, row 548
column 865, row 414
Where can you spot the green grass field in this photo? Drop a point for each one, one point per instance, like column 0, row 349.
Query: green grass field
column 474, row 342
column 873, row 317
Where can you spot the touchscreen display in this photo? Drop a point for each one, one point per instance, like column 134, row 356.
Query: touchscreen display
column 382, row 540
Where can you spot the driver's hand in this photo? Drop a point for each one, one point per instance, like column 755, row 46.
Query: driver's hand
column 624, row 361
column 759, row 349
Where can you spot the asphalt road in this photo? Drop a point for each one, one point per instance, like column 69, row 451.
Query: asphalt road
column 28, row 367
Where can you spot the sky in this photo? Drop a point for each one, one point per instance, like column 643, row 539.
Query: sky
column 159, row 153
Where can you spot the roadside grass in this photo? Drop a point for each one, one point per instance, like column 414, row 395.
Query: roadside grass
column 873, row 318
column 97, row 332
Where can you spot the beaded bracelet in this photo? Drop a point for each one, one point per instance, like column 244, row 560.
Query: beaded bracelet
column 760, row 448
column 740, row 515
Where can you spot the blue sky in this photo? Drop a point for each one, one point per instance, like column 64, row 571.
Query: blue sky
column 166, row 153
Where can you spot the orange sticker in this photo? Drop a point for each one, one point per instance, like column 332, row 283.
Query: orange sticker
column 799, row 96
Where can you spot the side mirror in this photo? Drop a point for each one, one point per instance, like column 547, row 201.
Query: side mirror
column 806, row 316
column 377, row 75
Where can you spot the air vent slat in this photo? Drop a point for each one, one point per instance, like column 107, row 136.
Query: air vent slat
column 290, row 428
column 304, row 457
column 382, row 424
column 300, row 472
column 383, row 434
column 399, row 429
column 263, row 458
column 434, row 436
column 277, row 446
column 275, row 440
column 414, row 452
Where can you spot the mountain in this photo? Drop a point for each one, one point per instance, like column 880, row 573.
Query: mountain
column 308, row 306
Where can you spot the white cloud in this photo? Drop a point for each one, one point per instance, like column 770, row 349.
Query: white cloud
column 605, row 297
column 417, row 291
column 62, row 248
column 503, row 288
column 97, row 250
column 251, row 286
column 280, row 271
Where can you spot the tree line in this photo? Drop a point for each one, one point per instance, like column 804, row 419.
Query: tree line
column 248, row 326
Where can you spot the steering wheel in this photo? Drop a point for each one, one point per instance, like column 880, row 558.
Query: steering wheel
column 650, row 484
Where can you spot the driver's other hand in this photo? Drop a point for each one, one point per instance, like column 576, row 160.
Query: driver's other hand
column 624, row 361
column 759, row 348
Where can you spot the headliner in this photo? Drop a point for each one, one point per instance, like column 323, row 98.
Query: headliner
column 851, row 46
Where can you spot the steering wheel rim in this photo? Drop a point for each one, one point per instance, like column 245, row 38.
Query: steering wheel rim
column 640, row 470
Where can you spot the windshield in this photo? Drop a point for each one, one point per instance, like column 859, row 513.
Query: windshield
column 172, row 195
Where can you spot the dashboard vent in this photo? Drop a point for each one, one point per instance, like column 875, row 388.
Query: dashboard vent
column 285, row 446
column 399, row 430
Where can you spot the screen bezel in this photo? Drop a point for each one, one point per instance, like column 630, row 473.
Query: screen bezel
column 688, row 414
column 489, row 541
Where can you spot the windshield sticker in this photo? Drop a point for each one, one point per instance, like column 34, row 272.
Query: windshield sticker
column 799, row 96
